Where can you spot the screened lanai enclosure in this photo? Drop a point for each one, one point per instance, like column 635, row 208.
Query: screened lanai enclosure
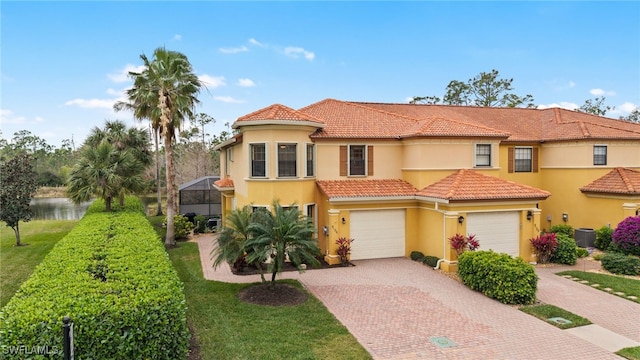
column 199, row 197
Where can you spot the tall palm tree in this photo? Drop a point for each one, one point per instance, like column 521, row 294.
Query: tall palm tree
column 166, row 89
column 103, row 171
column 282, row 234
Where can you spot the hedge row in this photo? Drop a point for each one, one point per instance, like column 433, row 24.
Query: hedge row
column 499, row 276
column 113, row 278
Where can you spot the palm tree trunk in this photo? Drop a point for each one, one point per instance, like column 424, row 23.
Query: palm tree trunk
column 170, row 238
column 155, row 139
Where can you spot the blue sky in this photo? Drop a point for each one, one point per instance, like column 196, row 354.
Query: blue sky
column 64, row 64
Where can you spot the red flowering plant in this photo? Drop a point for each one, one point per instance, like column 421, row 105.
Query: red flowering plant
column 461, row 243
column 544, row 246
column 344, row 249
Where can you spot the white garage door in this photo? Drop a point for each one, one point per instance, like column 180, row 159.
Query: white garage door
column 377, row 234
column 498, row 231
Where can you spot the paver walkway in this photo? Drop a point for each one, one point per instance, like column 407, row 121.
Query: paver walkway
column 396, row 307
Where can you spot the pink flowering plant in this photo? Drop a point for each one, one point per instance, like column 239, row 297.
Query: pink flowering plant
column 344, row 249
column 544, row 246
column 626, row 237
column 461, row 243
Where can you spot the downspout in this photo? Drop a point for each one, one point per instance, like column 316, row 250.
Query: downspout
column 444, row 241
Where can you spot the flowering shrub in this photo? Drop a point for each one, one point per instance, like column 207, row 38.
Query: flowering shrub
column 544, row 246
column 461, row 243
column 344, row 249
column 627, row 235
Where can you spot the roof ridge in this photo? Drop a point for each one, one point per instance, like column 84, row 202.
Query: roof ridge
column 457, row 176
column 625, row 179
column 381, row 111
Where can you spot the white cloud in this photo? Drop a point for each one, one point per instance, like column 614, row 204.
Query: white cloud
column 295, row 52
column 246, row 83
column 234, row 50
column 600, row 92
column 212, row 81
column 563, row 105
column 627, row 107
column 572, row 84
column 408, row 99
column 91, row 103
column 228, row 99
column 7, row 117
column 177, row 37
column 123, row 75
column 255, row 42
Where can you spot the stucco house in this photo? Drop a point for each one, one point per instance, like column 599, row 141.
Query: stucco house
column 404, row 177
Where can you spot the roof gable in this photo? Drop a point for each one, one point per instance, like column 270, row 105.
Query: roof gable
column 617, row 181
column 277, row 112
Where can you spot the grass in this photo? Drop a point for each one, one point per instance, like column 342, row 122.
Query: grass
column 628, row 286
column 227, row 328
column 545, row 312
column 632, row 353
column 17, row 263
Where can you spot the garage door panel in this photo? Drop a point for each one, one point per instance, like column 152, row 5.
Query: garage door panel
column 497, row 231
column 377, row 234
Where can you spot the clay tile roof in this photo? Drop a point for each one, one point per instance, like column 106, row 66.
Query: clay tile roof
column 366, row 188
column 464, row 185
column 617, row 181
column 224, row 183
column 278, row 112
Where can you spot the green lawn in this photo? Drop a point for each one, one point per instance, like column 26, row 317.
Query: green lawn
column 17, row 263
column 630, row 287
column 545, row 312
column 227, row 328
column 632, row 353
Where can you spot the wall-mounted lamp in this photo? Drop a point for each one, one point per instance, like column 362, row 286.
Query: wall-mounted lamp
column 549, row 218
column 565, row 217
column 344, row 221
column 325, row 230
column 529, row 215
column 460, row 219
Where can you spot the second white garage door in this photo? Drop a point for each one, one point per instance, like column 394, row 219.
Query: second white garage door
column 498, row 231
column 377, row 234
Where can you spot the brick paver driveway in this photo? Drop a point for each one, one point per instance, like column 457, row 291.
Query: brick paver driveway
column 394, row 307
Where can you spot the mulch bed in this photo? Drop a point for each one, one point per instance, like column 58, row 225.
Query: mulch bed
column 252, row 270
column 278, row 294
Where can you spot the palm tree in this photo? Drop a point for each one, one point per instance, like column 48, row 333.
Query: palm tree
column 282, row 234
column 166, row 91
column 103, row 171
column 232, row 242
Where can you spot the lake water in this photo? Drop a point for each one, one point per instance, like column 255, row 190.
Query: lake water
column 57, row 209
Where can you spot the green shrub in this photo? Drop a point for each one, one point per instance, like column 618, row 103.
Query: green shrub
column 113, row 278
column 621, row 264
column 416, row 256
column 565, row 253
column 598, row 257
column 626, row 236
column 431, row 261
column 581, row 252
column 562, row 229
column 201, row 224
column 181, row 226
column 603, row 237
column 131, row 203
column 499, row 276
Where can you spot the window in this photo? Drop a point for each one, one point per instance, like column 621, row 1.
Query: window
column 311, row 213
column 311, row 164
column 357, row 160
column 258, row 160
column 523, row 160
column 483, row 154
column 600, row 155
column 229, row 159
column 287, row 160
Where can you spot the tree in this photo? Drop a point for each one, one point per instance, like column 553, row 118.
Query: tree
column 634, row 116
column 17, row 186
column 282, row 234
column 104, row 171
column 595, row 106
column 486, row 89
column 165, row 91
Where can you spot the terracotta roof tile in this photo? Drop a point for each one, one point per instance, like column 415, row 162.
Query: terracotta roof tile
column 465, row 185
column 617, row 181
column 366, row 188
column 224, row 183
column 278, row 112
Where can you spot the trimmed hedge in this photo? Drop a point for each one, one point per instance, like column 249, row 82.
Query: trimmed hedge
column 112, row 276
column 499, row 276
column 565, row 253
column 621, row 264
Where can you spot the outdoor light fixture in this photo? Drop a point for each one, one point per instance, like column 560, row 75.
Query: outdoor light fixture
column 344, row 221
column 325, row 230
column 565, row 217
column 529, row 215
column 460, row 219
